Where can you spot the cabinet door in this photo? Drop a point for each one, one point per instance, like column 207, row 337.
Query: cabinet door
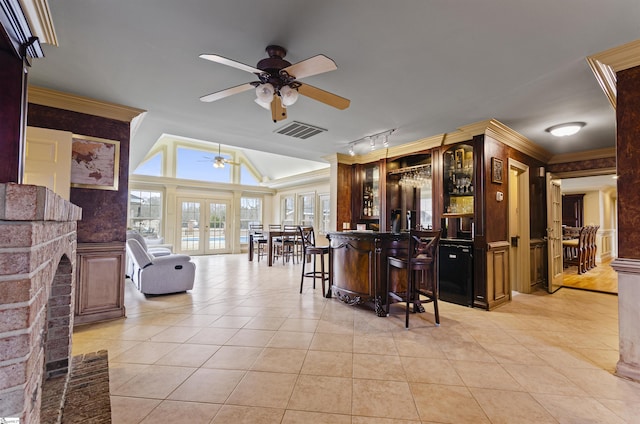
column 370, row 207
column 100, row 282
column 48, row 160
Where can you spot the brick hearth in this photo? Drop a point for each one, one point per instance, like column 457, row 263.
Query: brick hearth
column 37, row 274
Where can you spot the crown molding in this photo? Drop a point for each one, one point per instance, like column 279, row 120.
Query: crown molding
column 502, row 133
column 312, row 177
column 19, row 33
column 609, row 152
column 606, row 64
column 38, row 14
column 491, row 127
column 74, row 103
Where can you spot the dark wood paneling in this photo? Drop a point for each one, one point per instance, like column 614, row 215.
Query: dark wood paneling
column 11, row 96
column 628, row 155
column 497, row 212
column 345, row 195
column 104, row 212
column 582, row 165
column 538, row 262
column 572, row 210
column 358, row 266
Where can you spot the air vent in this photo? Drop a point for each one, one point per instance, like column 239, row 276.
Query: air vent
column 299, row 130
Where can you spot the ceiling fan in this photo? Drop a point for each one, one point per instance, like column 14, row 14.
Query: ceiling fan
column 219, row 160
column 279, row 78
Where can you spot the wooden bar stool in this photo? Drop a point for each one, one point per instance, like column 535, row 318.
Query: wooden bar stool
column 309, row 252
column 422, row 259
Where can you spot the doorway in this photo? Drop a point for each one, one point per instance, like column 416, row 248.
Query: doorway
column 519, row 231
column 204, row 229
column 597, row 205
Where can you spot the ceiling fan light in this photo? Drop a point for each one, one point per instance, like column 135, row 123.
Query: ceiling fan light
column 564, row 130
column 289, row 95
column 266, row 105
column 264, row 92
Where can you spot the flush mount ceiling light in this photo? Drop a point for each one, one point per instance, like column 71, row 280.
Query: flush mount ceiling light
column 563, row 130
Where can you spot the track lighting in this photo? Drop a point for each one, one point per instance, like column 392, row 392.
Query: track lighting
column 372, row 140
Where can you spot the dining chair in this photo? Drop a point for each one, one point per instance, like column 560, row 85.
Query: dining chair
column 292, row 244
column 421, row 264
column 259, row 240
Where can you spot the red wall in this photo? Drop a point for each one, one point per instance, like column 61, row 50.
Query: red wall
column 104, row 212
column 11, row 77
column 628, row 157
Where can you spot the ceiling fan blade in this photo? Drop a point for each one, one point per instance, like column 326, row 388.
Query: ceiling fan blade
column 278, row 113
column 233, row 63
column 313, row 66
column 324, row 96
column 226, row 93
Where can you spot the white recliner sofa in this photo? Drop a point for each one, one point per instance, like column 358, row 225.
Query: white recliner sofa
column 155, row 251
column 160, row 275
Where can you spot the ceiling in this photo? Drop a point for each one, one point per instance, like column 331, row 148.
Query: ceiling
column 420, row 67
column 586, row 184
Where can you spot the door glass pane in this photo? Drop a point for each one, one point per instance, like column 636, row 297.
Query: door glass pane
column 190, row 237
column 217, row 226
column 250, row 213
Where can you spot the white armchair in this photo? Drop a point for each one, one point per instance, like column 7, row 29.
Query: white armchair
column 155, row 251
column 159, row 275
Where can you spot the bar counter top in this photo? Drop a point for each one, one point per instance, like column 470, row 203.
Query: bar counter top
column 358, row 265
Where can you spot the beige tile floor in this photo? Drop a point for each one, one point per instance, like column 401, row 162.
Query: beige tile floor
column 245, row 347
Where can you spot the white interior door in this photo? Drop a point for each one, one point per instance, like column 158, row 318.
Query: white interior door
column 217, row 228
column 48, row 160
column 554, row 233
column 519, row 230
column 203, row 227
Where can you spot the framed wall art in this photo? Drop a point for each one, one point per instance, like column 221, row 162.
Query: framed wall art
column 496, row 170
column 95, row 162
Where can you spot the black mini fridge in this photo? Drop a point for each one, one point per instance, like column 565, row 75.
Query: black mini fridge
column 456, row 273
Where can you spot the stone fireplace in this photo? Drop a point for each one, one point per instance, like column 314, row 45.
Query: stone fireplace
column 37, row 275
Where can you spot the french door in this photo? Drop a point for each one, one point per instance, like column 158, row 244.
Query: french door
column 204, row 229
column 554, row 233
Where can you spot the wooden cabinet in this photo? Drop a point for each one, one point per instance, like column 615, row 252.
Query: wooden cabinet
column 409, row 192
column 573, row 210
column 358, row 266
column 370, row 192
column 538, row 262
column 458, row 191
column 99, row 282
column 458, row 180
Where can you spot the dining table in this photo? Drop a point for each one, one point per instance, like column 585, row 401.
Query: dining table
column 271, row 236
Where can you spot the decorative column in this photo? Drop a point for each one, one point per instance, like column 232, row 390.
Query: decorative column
column 628, row 263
